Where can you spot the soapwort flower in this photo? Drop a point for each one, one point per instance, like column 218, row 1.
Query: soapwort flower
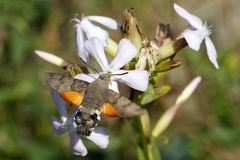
column 99, row 135
column 85, row 30
column 196, row 33
column 137, row 79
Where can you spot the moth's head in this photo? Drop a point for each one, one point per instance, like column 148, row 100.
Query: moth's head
column 86, row 119
column 105, row 77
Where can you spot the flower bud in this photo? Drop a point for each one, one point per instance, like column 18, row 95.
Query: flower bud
column 163, row 34
column 131, row 29
column 168, row 116
column 50, row 58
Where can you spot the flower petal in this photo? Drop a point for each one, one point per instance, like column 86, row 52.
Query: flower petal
column 80, row 43
column 94, row 31
column 58, row 129
column 61, row 105
column 96, row 49
column 194, row 38
column 125, row 53
column 77, row 146
column 193, row 20
column 99, row 136
column 113, row 86
column 106, row 21
column 137, row 79
column 211, row 51
column 87, row 77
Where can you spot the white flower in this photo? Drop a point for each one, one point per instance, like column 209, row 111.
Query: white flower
column 137, row 79
column 86, row 30
column 99, row 135
column 196, row 33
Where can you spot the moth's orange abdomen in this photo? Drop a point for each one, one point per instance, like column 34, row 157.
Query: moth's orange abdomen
column 109, row 110
column 74, row 98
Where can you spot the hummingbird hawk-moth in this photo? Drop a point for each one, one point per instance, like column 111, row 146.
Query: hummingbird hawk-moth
column 92, row 99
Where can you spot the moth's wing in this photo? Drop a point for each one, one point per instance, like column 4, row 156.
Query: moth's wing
column 73, row 97
column 109, row 110
column 71, row 90
column 63, row 83
column 124, row 107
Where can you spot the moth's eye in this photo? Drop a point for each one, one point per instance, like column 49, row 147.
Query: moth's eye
column 94, row 116
column 78, row 114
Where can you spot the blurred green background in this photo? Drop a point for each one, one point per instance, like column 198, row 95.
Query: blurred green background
column 207, row 128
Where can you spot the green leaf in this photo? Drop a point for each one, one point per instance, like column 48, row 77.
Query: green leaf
column 167, row 65
column 155, row 76
column 161, row 91
column 148, row 96
column 153, row 93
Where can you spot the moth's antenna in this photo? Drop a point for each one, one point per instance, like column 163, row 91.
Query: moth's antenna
column 89, row 66
column 119, row 74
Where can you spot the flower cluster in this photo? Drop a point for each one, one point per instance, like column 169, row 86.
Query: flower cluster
column 137, row 63
column 137, row 79
column 86, row 30
column 91, row 40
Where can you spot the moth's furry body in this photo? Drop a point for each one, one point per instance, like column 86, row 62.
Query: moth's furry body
column 89, row 111
column 95, row 95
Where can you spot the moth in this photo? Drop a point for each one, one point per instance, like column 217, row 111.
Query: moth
column 92, row 99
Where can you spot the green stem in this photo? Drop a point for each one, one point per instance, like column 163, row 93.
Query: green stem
column 147, row 150
column 141, row 139
column 141, row 124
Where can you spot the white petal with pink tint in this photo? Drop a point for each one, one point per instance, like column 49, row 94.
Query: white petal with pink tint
column 87, row 77
column 99, row 136
column 211, row 51
column 94, row 31
column 80, row 40
column 137, row 79
column 125, row 53
column 96, row 49
column 61, row 105
column 194, row 38
column 192, row 19
column 106, row 21
column 76, row 145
